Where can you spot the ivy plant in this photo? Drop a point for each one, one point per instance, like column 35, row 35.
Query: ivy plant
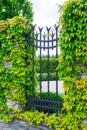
column 15, row 62
column 73, row 61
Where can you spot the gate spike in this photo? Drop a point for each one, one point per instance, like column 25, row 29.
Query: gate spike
column 34, row 26
column 48, row 29
column 56, row 26
column 40, row 29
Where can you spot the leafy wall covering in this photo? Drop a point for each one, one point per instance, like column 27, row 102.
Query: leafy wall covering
column 73, row 61
column 15, row 63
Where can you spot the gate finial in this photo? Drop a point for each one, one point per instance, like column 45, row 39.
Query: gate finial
column 40, row 29
column 48, row 29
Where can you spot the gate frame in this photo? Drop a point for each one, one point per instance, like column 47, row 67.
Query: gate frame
column 44, row 104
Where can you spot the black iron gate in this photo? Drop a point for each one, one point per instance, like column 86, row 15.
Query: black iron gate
column 45, row 41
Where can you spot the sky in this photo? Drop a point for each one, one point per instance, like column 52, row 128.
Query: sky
column 46, row 11
column 46, row 14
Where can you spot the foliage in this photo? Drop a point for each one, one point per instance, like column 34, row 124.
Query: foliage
column 15, row 63
column 52, row 95
column 15, row 72
column 72, row 65
column 53, row 62
column 44, row 76
column 36, row 118
column 45, row 98
column 73, row 61
column 11, row 8
column 56, row 122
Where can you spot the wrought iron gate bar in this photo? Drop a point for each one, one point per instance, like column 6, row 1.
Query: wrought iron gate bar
column 36, row 39
column 40, row 29
column 56, row 65
column 54, row 40
column 56, row 71
column 43, row 104
column 44, row 40
column 48, row 66
column 50, row 47
column 33, row 65
column 46, row 100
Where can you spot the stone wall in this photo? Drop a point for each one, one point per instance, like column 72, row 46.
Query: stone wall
column 21, row 125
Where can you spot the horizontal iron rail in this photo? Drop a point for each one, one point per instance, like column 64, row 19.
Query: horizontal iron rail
column 46, row 107
column 42, row 47
column 53, row 40
column 45, row 100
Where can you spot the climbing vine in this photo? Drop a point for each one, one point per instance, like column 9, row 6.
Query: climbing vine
column 15, row 74
column 73, row 61
column 15, row 63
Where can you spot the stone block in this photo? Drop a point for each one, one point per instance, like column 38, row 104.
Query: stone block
column 21, row 125
column 12, row 104
column 7, row 64
column 83, row 74
column 85, row 121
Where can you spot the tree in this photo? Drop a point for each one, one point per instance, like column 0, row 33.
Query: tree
column 11, row 8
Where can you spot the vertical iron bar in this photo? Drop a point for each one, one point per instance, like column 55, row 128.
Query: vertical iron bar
column 44, row 40
column 33, row 67
column 48, row 56
column 36, row 39
column 52, row 39
column 56, row 69
column 40, row 29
